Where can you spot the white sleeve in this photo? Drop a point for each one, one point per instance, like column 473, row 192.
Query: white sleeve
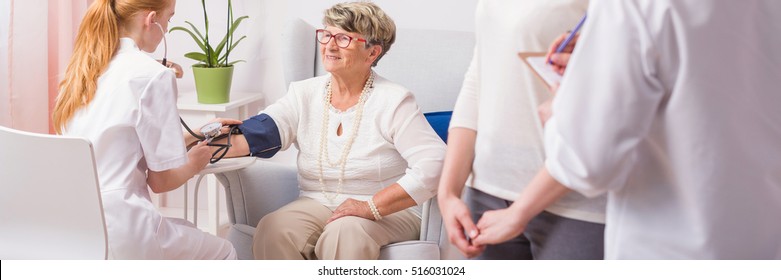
column 286, row 114
column 607, row 101
column 420, row 146
column 465, row 111
column 157, row 125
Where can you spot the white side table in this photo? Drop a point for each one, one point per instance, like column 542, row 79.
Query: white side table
column 188, row 105
column 195, row 115
column 226, row 164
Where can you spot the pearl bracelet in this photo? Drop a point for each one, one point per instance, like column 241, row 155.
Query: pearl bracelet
column 375, row 212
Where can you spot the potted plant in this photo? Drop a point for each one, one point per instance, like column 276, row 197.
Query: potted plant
column 214, row 72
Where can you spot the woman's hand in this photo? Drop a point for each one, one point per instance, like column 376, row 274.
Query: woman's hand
column 458, row 220
column 498, row 226
column 225, row 123
column 189, row 139
column 560, row 60
column 352, row 207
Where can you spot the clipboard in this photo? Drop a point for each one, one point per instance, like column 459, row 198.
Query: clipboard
column 543, row 71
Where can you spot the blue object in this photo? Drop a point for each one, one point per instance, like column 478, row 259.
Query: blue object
column 440, row 122
column 262, row 136
column 569, row 38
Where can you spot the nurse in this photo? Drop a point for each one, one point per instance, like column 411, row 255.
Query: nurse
column 671, row 108
column 124, row 102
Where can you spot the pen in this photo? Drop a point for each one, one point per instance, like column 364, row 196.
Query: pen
column 569, row 37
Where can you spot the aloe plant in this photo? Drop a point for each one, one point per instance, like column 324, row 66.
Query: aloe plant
column 213, row 57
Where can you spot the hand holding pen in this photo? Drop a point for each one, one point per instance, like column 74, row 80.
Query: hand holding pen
column 560, row 50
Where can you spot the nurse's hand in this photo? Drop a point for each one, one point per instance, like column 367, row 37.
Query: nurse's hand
column 352, row 207
column 199, row 155
column 498, row 226
column 560, row 60
column 174, row 67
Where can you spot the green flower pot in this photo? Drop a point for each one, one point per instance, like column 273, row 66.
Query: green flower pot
column 213, row 85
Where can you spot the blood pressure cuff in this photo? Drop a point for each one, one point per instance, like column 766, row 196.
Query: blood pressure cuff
column 262, row 136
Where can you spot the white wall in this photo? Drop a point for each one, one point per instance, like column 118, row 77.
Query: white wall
column 455, row 15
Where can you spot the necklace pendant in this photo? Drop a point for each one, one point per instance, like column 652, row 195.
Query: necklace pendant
column 347, row 146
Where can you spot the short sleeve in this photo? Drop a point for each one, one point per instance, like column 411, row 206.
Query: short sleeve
column 465, row 111
column 157, row 125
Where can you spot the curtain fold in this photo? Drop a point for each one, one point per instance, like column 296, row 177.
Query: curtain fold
column 37, row 44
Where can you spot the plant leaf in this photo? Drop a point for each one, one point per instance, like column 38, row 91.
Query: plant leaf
column 229, row 34
column 224, row 56
column 212, row 57
column 195, row 38
column 197, row 32
column 234, row 62
column 196, row 56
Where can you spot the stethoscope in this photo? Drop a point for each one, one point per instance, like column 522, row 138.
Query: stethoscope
column 210, row 131
column 165, row 45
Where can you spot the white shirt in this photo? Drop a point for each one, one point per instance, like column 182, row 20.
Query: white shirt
column 673, row 108
column 133, row 125
column 500, row 95
column 394, row 144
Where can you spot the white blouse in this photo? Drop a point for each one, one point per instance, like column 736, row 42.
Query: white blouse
column 673, row 109
column 394, row 144
column 500, row 95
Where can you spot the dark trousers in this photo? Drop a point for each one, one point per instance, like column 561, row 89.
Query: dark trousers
column 547, row 236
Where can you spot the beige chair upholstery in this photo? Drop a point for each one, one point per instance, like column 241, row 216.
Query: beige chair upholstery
column 50, row 205
column 431, row 63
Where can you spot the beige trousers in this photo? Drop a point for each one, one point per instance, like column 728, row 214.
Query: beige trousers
column 298, row 231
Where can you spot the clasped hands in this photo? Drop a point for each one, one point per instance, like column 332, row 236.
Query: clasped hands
column 494, row 226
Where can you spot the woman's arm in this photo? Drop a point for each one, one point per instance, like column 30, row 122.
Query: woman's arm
column 455, row 213
column 239, row 146
column 458, row 163
column 423, row 151
column 388, row 201
column 171, row 179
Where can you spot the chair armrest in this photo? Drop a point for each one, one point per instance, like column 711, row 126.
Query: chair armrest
column 258, row 189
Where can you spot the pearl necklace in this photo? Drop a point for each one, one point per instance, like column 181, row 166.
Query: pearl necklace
column 347, row 145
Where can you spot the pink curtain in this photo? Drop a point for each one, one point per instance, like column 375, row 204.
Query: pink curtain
column 37, row 44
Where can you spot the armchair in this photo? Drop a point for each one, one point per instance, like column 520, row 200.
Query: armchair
column 430, row 63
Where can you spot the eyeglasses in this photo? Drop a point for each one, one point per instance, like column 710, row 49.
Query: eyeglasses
column 342, row 40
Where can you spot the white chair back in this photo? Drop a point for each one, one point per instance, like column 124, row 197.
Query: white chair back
column 50, row 205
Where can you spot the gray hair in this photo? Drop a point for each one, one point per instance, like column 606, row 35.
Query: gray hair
column 365, row 18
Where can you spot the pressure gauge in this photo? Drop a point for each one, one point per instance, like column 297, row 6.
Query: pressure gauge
column 211, row 130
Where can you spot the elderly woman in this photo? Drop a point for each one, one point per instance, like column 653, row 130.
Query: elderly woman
column 367, row 154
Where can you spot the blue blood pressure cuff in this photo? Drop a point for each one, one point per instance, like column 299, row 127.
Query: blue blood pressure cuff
column 262, row 136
